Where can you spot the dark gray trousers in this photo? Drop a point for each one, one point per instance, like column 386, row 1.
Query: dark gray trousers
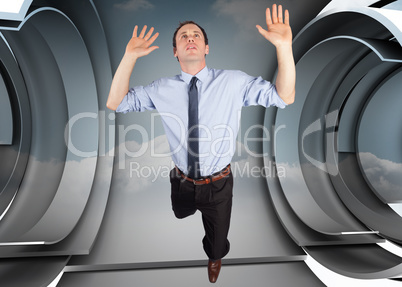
column 214, row 201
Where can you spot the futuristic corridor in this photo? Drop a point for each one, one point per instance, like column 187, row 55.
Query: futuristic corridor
column 85, row 193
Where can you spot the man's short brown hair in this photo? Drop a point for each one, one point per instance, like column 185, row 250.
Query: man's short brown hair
column 181, row 24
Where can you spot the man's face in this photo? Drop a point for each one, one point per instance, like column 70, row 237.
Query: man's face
column 190, row 44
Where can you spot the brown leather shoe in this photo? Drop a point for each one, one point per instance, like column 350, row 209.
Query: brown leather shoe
column 213, row 270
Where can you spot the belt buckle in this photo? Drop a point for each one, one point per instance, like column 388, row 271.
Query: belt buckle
column 195, row 182
column 202, row 181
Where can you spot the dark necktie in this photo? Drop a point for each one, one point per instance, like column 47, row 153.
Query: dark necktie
column 193, row 131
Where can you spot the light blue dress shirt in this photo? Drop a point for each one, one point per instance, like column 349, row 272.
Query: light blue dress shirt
column 222, row 94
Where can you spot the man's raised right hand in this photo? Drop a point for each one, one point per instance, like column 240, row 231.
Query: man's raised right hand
column 140, row 46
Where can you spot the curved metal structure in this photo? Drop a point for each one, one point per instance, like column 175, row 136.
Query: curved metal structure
column 55, row 67
column 342, row 154
column 68, row 204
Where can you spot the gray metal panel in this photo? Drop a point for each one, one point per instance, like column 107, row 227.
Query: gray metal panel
column 79, row 169
column 6, row 116
column 379, row 140
column 71, row 197
column 22, row 272
column 261, row 275
column 14, row 157
column 179, row 264
column 305, row 236
column 81, row 238
column 350, row 184
column 316, row 118
column 362, row 202
column 301, row 233
column 338, row 23
column 386, row 50
column 348, row 122
column 361, row 25
column 311, row 207
column 47, row 151
column 366, row 261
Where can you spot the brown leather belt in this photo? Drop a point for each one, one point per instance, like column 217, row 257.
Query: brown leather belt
column 207, row 180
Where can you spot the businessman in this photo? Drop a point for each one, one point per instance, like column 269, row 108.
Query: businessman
column 206, row 102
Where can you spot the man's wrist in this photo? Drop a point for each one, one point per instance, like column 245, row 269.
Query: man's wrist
column 284, row 46
column 130, row 57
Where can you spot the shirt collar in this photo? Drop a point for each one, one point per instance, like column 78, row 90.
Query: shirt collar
column 201, row 75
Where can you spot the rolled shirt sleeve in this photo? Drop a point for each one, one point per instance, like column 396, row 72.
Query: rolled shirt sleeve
column 137, row 100
column 258, row 91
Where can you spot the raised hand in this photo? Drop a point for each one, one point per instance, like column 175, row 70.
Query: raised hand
column 140, row 46
column 279, row 31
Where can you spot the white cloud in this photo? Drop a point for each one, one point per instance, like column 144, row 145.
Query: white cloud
column 137, row 167
column 134, row 5
column 384, row 175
